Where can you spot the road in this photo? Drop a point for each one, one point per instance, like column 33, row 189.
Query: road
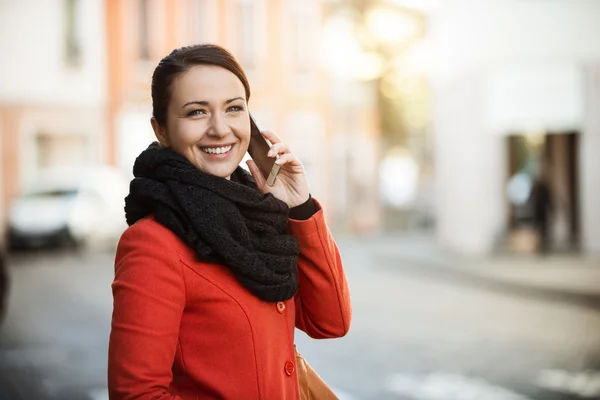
column 413, row 336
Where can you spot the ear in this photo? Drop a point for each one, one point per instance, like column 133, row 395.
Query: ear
column 159, row 132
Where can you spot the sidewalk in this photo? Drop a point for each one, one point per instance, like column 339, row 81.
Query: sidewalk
column 566, row 278
column 565, row 273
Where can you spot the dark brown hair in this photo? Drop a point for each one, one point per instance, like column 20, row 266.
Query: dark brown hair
column 181, row 60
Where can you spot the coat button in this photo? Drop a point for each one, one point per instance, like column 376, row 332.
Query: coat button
column 280, row 307
column 289, row 368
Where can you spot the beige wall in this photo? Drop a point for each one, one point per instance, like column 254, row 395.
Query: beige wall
column 590, row 164
column 470, row 167
column 39, row 136
column 34, row 67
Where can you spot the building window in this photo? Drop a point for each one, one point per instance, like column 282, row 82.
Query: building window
column 144, row 32
column 72, row 42
column 196, row 20
column 204, row 21
column 300, row 35
column 60, row 149
column 247, row 30
column 300, row 43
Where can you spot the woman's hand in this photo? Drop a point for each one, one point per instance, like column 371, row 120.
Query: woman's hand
column 290, row 186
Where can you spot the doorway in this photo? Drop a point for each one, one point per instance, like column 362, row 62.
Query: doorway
column 543, row 187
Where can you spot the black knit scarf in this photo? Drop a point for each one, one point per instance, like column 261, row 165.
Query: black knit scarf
column 225, row 221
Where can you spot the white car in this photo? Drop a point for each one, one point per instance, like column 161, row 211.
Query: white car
column 76, row 205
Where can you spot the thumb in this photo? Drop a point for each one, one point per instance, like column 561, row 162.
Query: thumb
column 261, row 182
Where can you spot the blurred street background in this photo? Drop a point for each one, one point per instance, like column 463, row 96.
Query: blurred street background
column 454, row 145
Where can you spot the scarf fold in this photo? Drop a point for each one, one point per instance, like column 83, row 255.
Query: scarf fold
column 224, row 221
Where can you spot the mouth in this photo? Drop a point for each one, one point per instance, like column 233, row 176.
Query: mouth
column 221, row 151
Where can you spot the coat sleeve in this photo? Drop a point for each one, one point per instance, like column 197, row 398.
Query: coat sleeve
column 149, row 298
column 323, row 307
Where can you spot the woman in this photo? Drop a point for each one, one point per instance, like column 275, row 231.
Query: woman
column 217, row 268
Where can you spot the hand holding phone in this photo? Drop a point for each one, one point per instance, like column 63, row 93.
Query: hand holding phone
column 284, row 176
column 258, row 150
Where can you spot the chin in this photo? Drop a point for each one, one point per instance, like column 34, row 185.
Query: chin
column 220, row 168
column 222, row 171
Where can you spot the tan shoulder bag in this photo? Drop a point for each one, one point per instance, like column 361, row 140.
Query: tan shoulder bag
column 311, row 386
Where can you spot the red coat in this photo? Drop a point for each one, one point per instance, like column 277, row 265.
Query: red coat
column 183, row 329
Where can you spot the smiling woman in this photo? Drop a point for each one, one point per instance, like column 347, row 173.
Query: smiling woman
column 217, row 268
column 211, row 131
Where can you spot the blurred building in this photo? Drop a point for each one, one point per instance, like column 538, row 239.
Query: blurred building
column 517, row 88
column 75, row 89
column 52, row 88
column 278, row 43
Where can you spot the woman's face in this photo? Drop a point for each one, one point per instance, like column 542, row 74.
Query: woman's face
column 207, row 120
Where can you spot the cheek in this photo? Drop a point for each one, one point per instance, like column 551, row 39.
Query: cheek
column 244, row 138
column 186, row 132
column 243, row 131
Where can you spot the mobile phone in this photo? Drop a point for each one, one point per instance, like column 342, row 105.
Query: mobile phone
column 258, row 149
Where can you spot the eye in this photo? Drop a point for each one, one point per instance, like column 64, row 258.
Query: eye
column 235, row 109
column 196, row 112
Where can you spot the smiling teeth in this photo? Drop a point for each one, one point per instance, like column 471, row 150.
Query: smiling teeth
column 216, row 150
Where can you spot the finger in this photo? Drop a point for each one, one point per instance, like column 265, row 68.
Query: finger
column 271, row 136
column 256, row 174
column 279, row 148
column 288, row 159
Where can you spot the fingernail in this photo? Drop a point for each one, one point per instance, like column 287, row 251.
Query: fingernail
column 270, row 153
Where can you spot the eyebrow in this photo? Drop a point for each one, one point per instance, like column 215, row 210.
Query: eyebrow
column 206, row 103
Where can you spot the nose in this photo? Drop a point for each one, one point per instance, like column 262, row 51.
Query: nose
column 218, row 126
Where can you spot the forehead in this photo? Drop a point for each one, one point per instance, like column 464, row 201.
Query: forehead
column 206, row 83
